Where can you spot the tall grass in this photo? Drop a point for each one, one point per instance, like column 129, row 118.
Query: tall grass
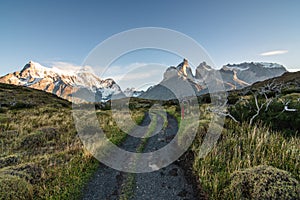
column 244, row 146
column 40, row 147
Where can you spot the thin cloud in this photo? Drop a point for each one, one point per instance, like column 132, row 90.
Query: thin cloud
column 118, row 70
column 65, row 67
column 141, row 75
column 136, row 75
column 272, row 53
column 133, row 71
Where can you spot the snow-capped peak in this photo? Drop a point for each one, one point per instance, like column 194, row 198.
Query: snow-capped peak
column 234, row 67
column 245, row 66
column 64, row 80
column 61, row 71
column 36, row 65
column 269, row 65
column 132, row 92
column 58, row 69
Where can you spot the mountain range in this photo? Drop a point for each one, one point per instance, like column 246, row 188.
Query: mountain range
column 235, row 76
column 84, row 85
column 65, row 84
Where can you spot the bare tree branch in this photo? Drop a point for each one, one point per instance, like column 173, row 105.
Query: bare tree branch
column 222, row 110
column 286, row 106
column 258, row 108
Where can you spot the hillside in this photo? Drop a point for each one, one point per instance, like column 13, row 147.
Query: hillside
column 40, row 146
column 42, row 156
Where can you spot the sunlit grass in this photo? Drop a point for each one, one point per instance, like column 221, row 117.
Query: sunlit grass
column 40, row 151
column 241, row 147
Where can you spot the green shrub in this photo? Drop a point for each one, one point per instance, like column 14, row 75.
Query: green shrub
column 13, row 187
column 262, row 182
column 3, row 118
column 33, row 140
column 288, row 123
column 240, row 147
column 9, row 160
column 2, row 110
column 233, row 98
column 30, row 171
column 22, row 105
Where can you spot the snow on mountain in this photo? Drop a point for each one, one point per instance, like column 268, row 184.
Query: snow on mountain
column 81, row 82
column 235, row 68
column 63, row 83
column 252, row 72
column 233, row 76
column 270, row 65
column 245, row 65
column 132, row 92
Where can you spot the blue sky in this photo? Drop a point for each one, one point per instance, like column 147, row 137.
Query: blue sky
column 230, row 31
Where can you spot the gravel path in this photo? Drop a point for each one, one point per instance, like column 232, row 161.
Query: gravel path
column 168, row 183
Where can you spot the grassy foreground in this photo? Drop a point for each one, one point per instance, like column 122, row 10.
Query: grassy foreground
column 41, row 156
column 244, row 147
column 258, row 161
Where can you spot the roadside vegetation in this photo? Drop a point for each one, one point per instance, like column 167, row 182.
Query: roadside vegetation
column 253, row 161
column 41, row 156
column 244, row 147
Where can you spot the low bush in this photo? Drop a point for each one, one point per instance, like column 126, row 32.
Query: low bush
column 14, row 187
column 262, row 182
column 240, row 147
column 33, row 140
column 9, row 160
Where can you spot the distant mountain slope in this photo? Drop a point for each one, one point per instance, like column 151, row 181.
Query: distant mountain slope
column 132, row 92
column 64, row 83
column 289, row 80
column 232, row 77
column 248, row 73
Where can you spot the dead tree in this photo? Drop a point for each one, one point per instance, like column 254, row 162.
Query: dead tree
column 223, row 111
column 271, row 87
column 258, row 106
column 286, row 106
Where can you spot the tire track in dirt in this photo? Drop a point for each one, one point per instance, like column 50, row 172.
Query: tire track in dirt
column 168, row 183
